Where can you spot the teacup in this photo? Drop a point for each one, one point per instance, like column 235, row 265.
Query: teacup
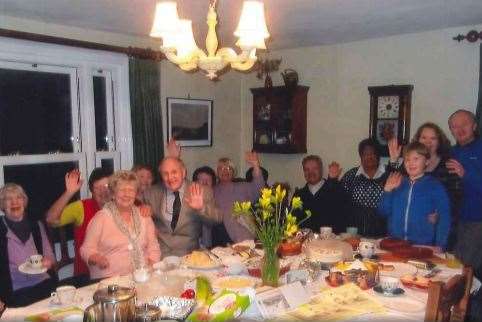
column 353, row 231
column 389, row 283
column 35, row 261
column 325, row 232
column 64, row 294
column 141, row 275
column 366, row 249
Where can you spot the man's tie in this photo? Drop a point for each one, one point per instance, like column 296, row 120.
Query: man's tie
column 176, row 209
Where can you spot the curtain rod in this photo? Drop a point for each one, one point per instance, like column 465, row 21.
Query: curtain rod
column 143, row 53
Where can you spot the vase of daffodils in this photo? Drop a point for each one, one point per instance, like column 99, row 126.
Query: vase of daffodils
column 273, row 221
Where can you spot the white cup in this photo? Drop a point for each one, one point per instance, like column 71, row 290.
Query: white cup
column 35, row 261
column 64, row 294
column 389, row 283
column 325, row 232
column 366, row 249
column 141, row 275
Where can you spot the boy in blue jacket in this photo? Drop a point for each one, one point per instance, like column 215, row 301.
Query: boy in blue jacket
column 417, row 208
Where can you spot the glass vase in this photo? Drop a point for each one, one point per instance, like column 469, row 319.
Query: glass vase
column 270, row 267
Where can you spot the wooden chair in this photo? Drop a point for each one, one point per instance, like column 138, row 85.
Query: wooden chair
column 449, row 301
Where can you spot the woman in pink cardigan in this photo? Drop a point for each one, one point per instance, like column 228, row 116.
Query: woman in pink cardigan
column 118, row 239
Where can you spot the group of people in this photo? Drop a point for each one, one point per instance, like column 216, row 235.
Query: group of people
column 129, row 222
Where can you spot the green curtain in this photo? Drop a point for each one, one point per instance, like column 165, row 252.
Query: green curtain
column 144, row 86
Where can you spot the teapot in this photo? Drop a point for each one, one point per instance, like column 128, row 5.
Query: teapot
column 112, row 304
column 290, row 77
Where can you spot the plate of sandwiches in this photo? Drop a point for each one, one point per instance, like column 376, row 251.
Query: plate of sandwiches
column 201, row 261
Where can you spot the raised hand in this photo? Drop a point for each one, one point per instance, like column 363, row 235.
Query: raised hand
column 195, row 198
column 394, row 149
column 173, row 149
column 393, row 181
column 252, row 159
column 334, row 170
column 456, row 167
column 73, row 181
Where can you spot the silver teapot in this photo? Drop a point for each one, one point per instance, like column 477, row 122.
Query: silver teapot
column 112, row 304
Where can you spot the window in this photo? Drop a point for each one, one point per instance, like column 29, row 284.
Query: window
column 59, row 110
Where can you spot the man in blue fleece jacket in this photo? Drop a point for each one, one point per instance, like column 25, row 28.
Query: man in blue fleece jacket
column 417, row 207
column 466, row 162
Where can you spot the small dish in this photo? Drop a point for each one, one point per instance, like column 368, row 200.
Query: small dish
column 26, row 268
column 396, row 292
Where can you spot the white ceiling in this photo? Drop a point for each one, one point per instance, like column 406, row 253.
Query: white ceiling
column 292, row 23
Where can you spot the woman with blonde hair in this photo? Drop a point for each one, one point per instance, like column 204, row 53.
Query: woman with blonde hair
column 118, row 239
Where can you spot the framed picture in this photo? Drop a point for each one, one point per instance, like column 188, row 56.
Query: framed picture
column 190, row 121
column 390, row 108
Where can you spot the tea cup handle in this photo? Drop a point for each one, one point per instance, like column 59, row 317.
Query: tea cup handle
column 55, row 298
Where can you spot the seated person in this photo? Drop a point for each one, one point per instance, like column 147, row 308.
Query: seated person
column 146, row 176
column 21, row 238
column 118, row 239
column 206, row 177
column 417, row 208
column 325, row 198
column 226, row 192
column 79, row 212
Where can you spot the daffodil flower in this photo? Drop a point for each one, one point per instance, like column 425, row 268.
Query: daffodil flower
column 280, row 193
column 296, row 203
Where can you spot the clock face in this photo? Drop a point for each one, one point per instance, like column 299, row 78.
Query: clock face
column 388, row 107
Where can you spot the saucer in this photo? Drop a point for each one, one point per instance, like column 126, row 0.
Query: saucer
column 76, row 301
column 27, row 269
column 396, row 292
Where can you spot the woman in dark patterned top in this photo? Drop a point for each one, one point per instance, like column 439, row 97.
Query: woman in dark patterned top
column 364, row 185
column 432, row 136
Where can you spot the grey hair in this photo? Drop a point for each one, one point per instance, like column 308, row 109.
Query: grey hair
column 122, row 176
column 228, row 162
column 11, row 188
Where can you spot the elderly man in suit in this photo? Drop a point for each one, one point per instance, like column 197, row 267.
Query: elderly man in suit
column 179, row 209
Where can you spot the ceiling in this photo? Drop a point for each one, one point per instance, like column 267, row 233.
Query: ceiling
column 292, row 23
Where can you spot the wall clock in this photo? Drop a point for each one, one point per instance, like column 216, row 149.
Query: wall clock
column 390, row 114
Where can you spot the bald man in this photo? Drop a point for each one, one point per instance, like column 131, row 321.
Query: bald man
column 179, row 209
column 466, row 163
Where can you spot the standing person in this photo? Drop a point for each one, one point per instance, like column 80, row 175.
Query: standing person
column 21, row 237
column 226, row 192
column 466, row 163
column 364, row 186
column 325, row 198
column 432, row 136
column 206, row 177
column 80, row 212
column 179, row 208
column 410, row 204
column 118, row 239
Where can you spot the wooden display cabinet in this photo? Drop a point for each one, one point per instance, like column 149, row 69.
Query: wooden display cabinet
column 279, row 119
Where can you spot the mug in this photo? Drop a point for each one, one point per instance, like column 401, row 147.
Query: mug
column 64, row 294
column 352, row 231
column 366, row 249
column 35, row 261
column 325, row 232
column 389, row 283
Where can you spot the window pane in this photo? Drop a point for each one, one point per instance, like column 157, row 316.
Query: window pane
column 100, row 106
column 43, row 183
column 35, row 112
column 107, row 164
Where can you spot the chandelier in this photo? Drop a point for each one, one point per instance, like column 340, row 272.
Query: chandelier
column 179, row 46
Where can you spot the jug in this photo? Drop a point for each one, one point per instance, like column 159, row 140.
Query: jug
column 112, row 304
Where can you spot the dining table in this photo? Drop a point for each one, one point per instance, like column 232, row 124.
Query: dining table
column 410, row 306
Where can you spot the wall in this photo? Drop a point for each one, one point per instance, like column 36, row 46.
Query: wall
column 444, row 74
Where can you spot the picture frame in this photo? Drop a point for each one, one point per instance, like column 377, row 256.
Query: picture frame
column 190, row 121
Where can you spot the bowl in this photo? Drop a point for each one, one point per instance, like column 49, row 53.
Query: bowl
column 290, row 248
column 389, row 283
